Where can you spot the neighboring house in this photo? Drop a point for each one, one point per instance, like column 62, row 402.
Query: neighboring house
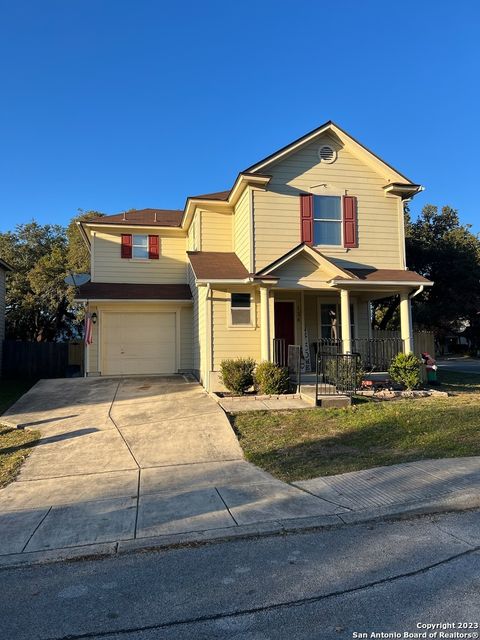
column 293, row 252
column 4, row 267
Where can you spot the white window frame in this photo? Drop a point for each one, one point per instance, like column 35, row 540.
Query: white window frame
column 141, row 258
column 340, row 222
column 253, row 311
column 321, row 300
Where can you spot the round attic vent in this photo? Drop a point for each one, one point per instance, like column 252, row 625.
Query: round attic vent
column 327, row 154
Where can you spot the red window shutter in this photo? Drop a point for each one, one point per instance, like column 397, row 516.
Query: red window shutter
column 126, row 245
column 350, row 232
column 153, row 247
column 306, row 217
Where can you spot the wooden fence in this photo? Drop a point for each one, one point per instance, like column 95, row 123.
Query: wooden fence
column 422, row 340
column 42, row 359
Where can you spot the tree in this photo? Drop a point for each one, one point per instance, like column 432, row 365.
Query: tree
column 440, row 248
column 39, row 305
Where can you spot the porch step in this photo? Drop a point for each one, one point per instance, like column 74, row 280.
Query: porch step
column 308, row 391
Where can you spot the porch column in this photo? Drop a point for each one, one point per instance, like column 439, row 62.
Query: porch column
column 264, row 323
column 406, row 330
column 345, row 326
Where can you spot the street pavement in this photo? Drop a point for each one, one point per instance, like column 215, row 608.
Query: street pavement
column 460, row 364
column 384, row 577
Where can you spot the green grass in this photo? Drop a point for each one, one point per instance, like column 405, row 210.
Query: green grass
column 297, row 445
column 15, row 444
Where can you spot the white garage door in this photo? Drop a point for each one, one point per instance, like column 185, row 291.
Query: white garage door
column 138, row 343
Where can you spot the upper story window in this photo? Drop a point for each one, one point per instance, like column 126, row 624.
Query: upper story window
column 140, row 247
column 241, row 309
column 327, row 220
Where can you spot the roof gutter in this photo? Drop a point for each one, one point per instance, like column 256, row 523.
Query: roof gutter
column 371, row 283
column 209, row 281
column 84, row 235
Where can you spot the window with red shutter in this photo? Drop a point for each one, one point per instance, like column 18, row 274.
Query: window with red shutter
column 306, row 218
column 153, row 247
column 350, row 232
column 126, row 250
column 327, row 221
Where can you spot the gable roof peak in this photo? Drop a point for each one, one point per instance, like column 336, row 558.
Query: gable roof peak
column 310, row 137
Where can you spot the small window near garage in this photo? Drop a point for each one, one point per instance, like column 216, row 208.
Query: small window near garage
column 241, row 309
column 140, row 247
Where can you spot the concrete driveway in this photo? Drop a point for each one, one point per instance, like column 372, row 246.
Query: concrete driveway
column 120, row 459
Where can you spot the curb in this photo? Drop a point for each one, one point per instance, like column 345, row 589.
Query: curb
column 452, row 502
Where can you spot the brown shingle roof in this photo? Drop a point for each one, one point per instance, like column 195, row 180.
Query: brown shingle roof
column 123, row 291
column 388, row 275
column 218, row 195
column 145, row 217
column 216, row 265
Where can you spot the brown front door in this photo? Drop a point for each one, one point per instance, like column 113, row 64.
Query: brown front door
column 284, row 328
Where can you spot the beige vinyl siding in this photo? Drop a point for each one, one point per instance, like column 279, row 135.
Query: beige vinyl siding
column 232, row 342
column 109, row 266
column 186, row 338
column 241, row 228
column 216, row 231
column 196, row 337
column 305, row 273
column 277, row 210
column 193, row 235
column 2, row 312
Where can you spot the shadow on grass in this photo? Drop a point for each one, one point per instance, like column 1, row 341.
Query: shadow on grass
column 303, row 445
column 46, row 440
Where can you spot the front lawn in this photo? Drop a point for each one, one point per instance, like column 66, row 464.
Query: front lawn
column 15, row 444
column 297, row 445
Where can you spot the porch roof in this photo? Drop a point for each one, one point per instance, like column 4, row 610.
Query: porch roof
column 128, row 291
column 217, row 265
column 384, row 276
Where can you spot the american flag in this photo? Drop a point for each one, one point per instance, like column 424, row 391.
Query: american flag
column 88, row 329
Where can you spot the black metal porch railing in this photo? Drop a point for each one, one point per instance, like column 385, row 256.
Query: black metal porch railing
column 376, row 354
column 337, row 374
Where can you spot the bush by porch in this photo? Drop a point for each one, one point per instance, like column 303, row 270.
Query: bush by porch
column 297, row 445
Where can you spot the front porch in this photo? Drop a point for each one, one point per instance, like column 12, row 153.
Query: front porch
column 333, row 322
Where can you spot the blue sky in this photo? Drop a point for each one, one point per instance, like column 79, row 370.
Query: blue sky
column 114, row 104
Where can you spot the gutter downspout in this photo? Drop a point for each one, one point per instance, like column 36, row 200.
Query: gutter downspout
column 415, row 293
column 208, row 323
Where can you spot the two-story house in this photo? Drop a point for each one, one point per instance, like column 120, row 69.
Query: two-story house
column 292, row 253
